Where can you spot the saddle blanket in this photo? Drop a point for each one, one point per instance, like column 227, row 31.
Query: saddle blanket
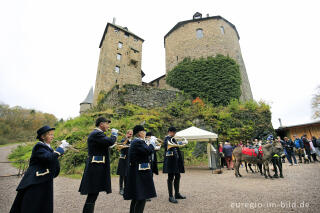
column 251, row 152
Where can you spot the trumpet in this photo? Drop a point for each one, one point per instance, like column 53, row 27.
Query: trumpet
column 179, row 144
column 158, row 142
column 120, row 146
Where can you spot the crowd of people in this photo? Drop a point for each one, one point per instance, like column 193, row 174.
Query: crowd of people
column 306, row 149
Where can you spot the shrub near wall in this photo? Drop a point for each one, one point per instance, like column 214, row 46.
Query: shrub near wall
column 216, row 79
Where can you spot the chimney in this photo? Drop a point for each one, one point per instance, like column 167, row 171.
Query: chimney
column 114, row 20
column 280, row 122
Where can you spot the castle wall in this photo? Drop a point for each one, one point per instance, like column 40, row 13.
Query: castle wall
column 129, row 64
column 161, row 83
column 183, row 42
column 142, row 96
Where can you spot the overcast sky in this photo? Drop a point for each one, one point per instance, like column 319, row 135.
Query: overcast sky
column 49, row 50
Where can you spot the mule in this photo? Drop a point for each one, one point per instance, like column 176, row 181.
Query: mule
column 268, row 151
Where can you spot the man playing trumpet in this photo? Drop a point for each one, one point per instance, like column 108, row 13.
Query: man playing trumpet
column 123, row 160
column 173, row 164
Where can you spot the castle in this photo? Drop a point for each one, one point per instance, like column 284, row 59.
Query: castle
column 121, row 50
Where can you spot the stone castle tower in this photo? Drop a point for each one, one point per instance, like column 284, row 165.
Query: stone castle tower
column 119, row 61
column 203, row 37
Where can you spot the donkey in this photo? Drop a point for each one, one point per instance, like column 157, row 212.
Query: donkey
column 258, row 167
column 268, row 151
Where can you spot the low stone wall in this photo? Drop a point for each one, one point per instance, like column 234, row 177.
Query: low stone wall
column 142, row 96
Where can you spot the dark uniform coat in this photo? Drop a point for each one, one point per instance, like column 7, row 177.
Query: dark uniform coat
column 154, row 162
column 96, row 176
column 123, row 160
column 173, row 163
column 35, row 191
column 139, row 184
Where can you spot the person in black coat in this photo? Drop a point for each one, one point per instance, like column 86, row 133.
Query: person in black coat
column 140, row 185
column 153, row 156
column 173, row 165
column 35, row 191
column 96, row 176
column 123, row 161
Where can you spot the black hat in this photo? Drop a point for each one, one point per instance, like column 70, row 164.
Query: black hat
column 101, row 119
column 137, row 129
column 149, row 134
column 172, row 129
column 43, row 130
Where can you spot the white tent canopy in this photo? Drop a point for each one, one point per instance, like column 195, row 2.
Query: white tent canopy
column 200, row 135
column 196, row 134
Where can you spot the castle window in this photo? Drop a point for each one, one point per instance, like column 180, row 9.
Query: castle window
column 126, row 34
column 120, row 45
column 177, row 58
column 199, row 33
column 134, row 63
column 116, row 30
column 117, row 69
column 118, row 56
column 134, row 50
column 135, row 39
column 222, row 30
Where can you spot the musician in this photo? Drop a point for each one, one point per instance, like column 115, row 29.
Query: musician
column 123, row 161
column 96, row 176
column 139, row 185
column 153, row 156
column 35, row 191
column 173, row 165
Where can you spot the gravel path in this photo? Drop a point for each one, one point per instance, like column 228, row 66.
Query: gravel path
column 206, row 192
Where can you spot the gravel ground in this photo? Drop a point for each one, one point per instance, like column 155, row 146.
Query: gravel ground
column 206, row 192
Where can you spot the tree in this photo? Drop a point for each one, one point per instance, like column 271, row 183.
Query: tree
column 316, row 104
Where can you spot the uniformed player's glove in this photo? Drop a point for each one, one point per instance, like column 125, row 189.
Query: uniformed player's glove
column 114, row 132
column 153, row 142
column 64, row 145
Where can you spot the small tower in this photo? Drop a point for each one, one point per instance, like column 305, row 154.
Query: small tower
column 87, row 103
column 119, row 61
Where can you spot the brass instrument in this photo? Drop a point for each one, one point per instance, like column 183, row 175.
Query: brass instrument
column 171, row 144
column 70, row 147
column 123, row 145
column 120, row 146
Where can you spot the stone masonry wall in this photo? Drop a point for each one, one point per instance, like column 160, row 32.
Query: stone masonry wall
column 142, row 96
column 183, row 42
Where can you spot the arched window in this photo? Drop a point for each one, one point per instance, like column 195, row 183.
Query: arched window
column 199, row 33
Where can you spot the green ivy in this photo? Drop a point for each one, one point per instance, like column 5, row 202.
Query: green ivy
column 216, row 79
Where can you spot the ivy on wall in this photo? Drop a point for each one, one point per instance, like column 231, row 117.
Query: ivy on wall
column 216, row 79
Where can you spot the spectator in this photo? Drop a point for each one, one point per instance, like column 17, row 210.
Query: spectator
column 284, row 150
column 222, row 158
column 299, row 147
column 306, row 146
column 317, row 147
column 227, row 151
column 288, row 145
column 312, row 148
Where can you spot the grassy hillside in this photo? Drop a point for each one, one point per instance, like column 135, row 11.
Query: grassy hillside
column 237, row 121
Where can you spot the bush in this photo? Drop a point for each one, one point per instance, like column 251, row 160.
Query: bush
column 216, row 79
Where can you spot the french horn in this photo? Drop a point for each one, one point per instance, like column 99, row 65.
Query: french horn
column 179, row 144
